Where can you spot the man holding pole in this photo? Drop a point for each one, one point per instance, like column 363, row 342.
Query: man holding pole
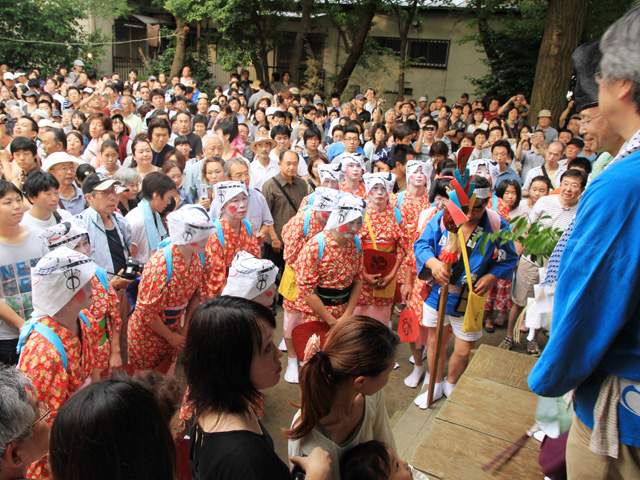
column 451, row 279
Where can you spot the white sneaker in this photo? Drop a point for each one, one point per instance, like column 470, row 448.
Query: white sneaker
column 447, row 387
column 283, row 346
column 413, row 380
column 291, row 375
column 421, row 400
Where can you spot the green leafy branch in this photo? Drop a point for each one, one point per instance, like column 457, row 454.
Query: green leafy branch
column 538, row 241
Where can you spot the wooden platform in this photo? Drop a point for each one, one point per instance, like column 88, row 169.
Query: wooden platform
column 490, row 407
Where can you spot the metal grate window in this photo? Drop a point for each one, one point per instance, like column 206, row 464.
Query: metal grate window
column 391, row 43
column 429, row 53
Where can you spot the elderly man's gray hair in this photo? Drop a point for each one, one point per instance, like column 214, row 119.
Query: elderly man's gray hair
column 210, row 136
column 16, row 413
column 232, row 162
column 127, row 176
column 620, row 47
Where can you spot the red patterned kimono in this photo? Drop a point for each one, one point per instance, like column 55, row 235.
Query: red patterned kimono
column 159, row 300
column 218, row 258
column 416, row 301
column 42, row 363
column 362, row 191
column 410, row 213
column 294, row 239
column 499, row 297
column 338, row 268
column 385, row 229
column 106, row 310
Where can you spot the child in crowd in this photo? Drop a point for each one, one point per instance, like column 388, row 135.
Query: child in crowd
column 110, row 158
column 374, row 460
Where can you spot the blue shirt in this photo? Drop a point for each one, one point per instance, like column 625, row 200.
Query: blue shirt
column 338, row 148
column 508, row 174
column 433, row 239
column 596, row 326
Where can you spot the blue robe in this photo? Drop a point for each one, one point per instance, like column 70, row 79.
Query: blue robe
column 433, row 239
column 596, row 315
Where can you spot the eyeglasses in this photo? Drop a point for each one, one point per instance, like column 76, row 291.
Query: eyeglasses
column 240, row 176
column 109, row 191
column 598, row 77
column 583, row 123
column 70, row 168
column 45, row 411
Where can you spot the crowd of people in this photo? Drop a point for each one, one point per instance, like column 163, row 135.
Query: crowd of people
column 143, row 221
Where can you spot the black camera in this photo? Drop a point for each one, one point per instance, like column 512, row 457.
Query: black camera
column 132, row 269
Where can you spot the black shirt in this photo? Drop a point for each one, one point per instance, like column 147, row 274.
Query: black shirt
column 195, row 142
column 239, row 454
column 364, row 116
column 116, row 249
column 158, row 157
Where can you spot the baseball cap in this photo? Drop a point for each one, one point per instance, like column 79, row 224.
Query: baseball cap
column 359, row 97
column 577, row 142
column 45, row 122
column 30, row 93
column 422, row 99
column 97, row 182
column 152, row 78
column 78, row 63
column 214, row 108
column 270, row 110
column 457, row 105
column 116, row 107
column 317, row 101
column 88, row 90
column 8, row 76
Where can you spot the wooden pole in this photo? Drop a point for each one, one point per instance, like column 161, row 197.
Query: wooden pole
column 442, row 309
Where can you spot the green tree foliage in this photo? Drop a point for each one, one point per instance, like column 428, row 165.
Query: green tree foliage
column 538, row 242
column 58, row 23
column 510, row 33
column 196, row 58
column 246, row 29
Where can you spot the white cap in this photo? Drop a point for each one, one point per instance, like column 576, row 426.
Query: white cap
column 8, row 76
column 349, row 207
column 189, row 224
column 249, row 276
column 270, row 110
column 386, row 179
column 226, row 191
column 57, row 277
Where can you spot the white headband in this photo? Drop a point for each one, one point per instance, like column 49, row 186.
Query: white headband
column 349, row 207
column 349, row 159
column 494, row 170
column 330, row 172
column 413, row 165
column 324, row 199
column 57, row 277
column 386, row 179
column 225, row 191
column 249, row 276
column 189, row 224
column 482, row 193
column 65, row 233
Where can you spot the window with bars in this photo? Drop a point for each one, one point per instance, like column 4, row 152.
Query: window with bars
column 422, row 53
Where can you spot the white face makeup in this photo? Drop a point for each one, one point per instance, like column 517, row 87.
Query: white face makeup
column 236, row 208
column 378, row 195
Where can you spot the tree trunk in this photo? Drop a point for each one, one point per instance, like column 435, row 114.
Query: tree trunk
column 298, row 44
column 368, row 12
column 484, row 31
column 405, row 20
column 178, row 56
column 562, row 33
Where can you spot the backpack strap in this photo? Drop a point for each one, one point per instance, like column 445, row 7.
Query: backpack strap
column 311, row 198
column 84, row 319
column 320, row 238
column 307, row 221
column 247, row 225
column 219, row 231
column 398, row 214
column 47, row 333
column 357, row 239
column 401, row 198
column 101, row 273
column 168, row 256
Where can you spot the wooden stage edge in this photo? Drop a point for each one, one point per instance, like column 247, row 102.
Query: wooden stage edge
column 490, row 408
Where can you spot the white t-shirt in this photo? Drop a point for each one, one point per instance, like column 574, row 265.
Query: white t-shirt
column 537, row 172
column 139, row 235
column 40, row 226
column 16, row 262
